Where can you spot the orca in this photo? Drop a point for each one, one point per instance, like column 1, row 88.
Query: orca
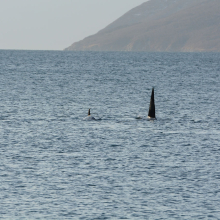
column 89, row 117
column 151, row 112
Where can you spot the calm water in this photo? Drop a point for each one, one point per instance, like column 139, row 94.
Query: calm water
column 55, row 165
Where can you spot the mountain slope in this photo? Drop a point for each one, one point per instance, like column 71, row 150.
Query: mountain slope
column 161, row 25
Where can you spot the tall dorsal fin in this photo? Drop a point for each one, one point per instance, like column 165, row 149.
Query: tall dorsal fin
column 89, row 112
column 151, row 112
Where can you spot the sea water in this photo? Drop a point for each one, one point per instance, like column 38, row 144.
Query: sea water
column 55, row 165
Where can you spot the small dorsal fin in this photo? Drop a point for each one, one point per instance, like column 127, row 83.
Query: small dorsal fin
column 89, row 112
column 151, row 112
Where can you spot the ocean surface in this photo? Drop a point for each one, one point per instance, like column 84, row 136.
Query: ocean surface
column 56, row 165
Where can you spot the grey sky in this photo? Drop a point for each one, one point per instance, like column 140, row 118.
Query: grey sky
column 55, row 24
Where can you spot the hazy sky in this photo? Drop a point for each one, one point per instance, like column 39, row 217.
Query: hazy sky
column 55, row 24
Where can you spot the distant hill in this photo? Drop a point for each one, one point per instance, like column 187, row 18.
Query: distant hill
column 161, row 25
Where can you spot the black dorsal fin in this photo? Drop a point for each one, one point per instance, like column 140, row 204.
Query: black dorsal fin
column 89, row 112
column 151, row 112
